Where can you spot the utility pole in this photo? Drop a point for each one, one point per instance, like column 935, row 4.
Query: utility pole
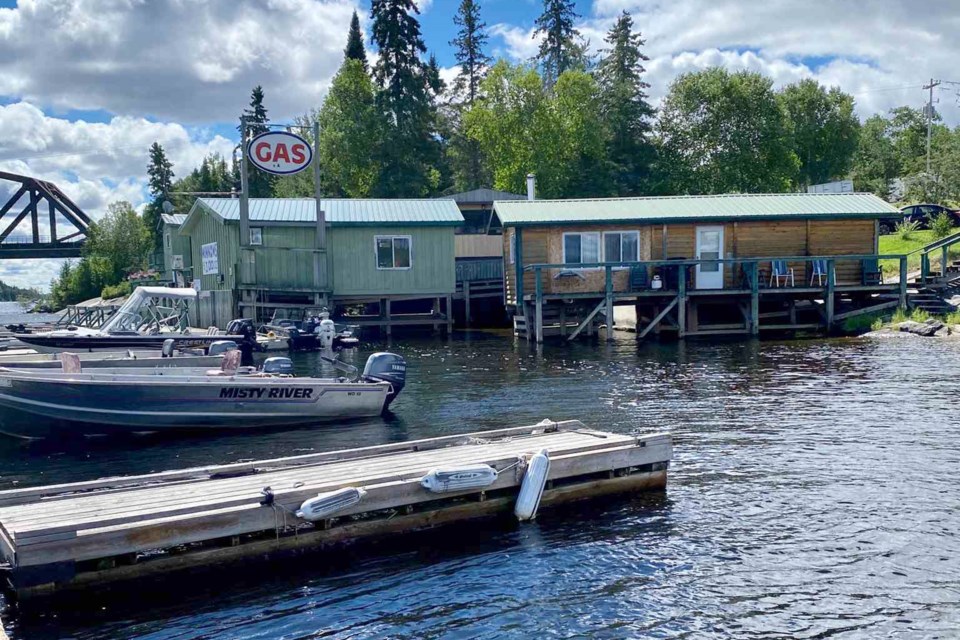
column 933, row 84
column 244, row 187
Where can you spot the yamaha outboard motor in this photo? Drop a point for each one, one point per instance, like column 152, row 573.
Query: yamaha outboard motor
column 220, row 347
column 169, row 345
column 278, row 366
column 244, row 327
column 387, row 367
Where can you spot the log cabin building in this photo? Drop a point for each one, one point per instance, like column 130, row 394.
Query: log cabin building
column 694, row 264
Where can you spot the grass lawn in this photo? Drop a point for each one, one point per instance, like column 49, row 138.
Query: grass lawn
column 894, row 244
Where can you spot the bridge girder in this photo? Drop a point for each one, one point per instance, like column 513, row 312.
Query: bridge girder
column 35, row 193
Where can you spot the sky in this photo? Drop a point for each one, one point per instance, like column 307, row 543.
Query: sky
column 87, row 85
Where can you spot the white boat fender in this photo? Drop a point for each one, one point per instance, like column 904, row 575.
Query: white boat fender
column 459, row 479
column 326, row 504
column 531, row 489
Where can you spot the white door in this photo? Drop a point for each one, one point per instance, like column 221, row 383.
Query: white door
column 710, row 247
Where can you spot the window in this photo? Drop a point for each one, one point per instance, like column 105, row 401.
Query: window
column 393, row 252
column 621, row 246
column 581, row 248
column 166, row 239
column 256, row 236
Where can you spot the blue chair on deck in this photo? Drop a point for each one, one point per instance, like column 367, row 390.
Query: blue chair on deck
column 639, row 279
column 779, row 269
column 871, row 274
column 818, row 271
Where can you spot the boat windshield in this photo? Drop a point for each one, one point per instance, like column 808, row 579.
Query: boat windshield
column 151, row 310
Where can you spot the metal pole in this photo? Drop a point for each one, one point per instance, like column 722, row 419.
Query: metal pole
column 930, row 120
column 320, row 260
column 244, row 187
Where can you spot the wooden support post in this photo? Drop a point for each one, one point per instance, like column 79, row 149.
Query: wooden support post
column 563, row 320
column 831, row 284
column 386, row 316
column 656, row 320
column 903, row 282
column 754, row 298
column 924, row 268
column 943, row 260
column 792, row 310
column 466, row 303
column 586, row 321
column 449, row 311
column 682, row 302
column 539, row 302
column 608, row 279
column 518, row 267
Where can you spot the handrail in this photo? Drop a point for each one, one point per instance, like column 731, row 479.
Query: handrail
column 942, row 242
column 693, row 262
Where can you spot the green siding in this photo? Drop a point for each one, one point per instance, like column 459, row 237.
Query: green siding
column 209, row 229
column 354, row 270
column 179, row 245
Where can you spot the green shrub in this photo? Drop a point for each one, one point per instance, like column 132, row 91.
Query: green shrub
column 117, row 290
column 906, row 229
column 941, row 225
column 952, row 318
column 919, row 315
column 877, row 325
column 900, row 315
column 863, row 323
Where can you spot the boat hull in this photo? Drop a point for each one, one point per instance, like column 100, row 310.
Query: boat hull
column 89, row 343
column 100, row 360
column 95, row 403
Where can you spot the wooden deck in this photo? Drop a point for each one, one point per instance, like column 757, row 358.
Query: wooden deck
column 746, row 297
column 69, row 536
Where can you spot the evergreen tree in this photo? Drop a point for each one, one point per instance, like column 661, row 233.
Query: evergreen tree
column 409, row 151
column 355, row 49
column 466, row 160
column 260, row 182
column 160, row 183
column 468, row 50
column 563, row 48
column 626, row 111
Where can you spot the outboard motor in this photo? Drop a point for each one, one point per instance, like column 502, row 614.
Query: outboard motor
column 387, row 367
column 326, row 331
column 168, row 346
column 244, row 327
column 221, row 346
column 278, row 366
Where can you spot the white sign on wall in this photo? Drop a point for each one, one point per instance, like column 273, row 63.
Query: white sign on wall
column 176, row 262
column 211, row 259
column 840, row 186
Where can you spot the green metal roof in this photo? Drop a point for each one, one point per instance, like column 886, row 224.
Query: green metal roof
column 176, row 219
column 339, row 212
column 693, row 208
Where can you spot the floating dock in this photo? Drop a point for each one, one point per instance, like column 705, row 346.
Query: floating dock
column 71, row 536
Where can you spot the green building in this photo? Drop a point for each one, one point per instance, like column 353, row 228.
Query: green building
column 177, row 265
column 364, row 252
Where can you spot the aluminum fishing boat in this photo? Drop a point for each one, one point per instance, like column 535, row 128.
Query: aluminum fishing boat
column 149, row 316
column 135, row 400
column 143, row 359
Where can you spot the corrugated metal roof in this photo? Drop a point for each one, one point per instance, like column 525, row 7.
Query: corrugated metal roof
column 479, row 196
column 339, row 211
column 671, row 208
column 175, row 219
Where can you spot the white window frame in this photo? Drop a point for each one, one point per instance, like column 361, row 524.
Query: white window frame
column 259, row 238
column 563, row 247
column 376, row 254
column 513, row 247
column 621, row 234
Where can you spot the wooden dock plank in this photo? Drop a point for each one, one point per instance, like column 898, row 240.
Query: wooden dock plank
column 248, row 518
column 23, row 520
column 31, row 494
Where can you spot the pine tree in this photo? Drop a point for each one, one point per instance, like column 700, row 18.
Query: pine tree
column 260, row 183
column 355, row 50
column 563, row 48
column 468, row 50
column 626, row 111
column 409, row 153
column 160, row 183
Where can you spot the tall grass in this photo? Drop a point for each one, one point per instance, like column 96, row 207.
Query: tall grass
column 906, row 229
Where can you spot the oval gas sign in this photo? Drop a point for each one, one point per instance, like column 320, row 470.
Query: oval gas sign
column 280, row 152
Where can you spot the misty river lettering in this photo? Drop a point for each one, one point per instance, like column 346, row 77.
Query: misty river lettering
column 258, row 393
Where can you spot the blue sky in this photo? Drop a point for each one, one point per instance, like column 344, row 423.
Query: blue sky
column 87, row 85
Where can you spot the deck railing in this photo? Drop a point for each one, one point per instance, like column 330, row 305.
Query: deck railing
column 943, row 245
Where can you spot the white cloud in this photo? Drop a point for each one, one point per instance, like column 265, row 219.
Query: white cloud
column 185, row 60
column 880, row 51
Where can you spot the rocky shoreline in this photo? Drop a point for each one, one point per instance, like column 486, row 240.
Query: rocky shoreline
column 930, row 328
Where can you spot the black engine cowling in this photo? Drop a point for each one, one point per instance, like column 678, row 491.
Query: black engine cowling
column 387, row 367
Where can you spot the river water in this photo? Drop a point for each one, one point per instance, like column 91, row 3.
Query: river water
column 813, row 494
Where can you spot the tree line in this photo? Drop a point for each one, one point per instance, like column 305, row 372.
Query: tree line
column 391, row 128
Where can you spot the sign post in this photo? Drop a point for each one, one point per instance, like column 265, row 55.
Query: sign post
column 244, row 187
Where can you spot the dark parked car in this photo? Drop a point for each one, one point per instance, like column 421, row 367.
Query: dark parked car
column 921, row 213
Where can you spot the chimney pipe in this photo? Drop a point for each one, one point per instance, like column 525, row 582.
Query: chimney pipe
column 531, row 187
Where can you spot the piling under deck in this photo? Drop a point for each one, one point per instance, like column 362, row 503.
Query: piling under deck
column 70, row 536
